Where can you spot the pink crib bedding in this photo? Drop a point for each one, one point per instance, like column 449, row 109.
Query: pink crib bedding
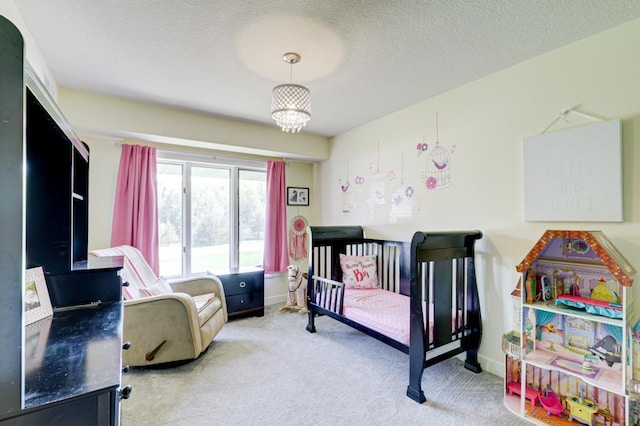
column 383, row 311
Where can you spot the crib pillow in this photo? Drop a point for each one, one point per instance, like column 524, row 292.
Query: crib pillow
column 359, row 271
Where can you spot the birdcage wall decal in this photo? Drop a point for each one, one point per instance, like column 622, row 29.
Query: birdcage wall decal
column 377, row 188
column 346, row 197
column 438, row 169
column 401, row 203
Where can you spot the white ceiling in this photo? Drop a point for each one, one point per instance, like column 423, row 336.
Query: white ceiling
column 361, row 59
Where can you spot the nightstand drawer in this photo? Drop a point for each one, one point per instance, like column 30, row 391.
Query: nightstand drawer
column 243, row 291
column 244, row 283
column 245, row 302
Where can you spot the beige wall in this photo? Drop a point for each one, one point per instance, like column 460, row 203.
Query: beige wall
column 118, row 117
column 9, row 10
column 483, row 123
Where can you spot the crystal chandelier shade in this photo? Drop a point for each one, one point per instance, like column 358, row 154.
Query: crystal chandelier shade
column 291, row 103
column 290, row 106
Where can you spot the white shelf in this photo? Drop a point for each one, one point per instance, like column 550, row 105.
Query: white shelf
column 607, row 378
column 567, row 311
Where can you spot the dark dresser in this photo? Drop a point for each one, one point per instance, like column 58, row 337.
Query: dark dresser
column 73, row 359
column 64, row 369
column 72, row 368
column 243, row 291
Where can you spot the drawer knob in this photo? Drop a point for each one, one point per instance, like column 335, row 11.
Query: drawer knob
column 243, row 284
column 125, row 392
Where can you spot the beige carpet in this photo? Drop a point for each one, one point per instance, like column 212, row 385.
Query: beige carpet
column 270, row 371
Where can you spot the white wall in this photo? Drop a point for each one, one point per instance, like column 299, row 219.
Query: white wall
column 482, row 125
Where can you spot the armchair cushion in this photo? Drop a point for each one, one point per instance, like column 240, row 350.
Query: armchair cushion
column 166, row 321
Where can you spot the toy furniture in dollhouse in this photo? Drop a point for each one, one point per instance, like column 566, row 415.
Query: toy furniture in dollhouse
column 575, row 332
column 582, row 410
column 531, row 394
column 551, row 403
column 607, row 417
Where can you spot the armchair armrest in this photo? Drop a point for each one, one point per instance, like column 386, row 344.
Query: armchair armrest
column 195, row 286
column 149, row 321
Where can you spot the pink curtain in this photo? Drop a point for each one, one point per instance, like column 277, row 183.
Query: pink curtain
column 276, row 257
column 135, row 212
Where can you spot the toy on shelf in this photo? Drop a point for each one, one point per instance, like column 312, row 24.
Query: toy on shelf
column 592, row 306
column 607, row 349
column 582, row 410
column 551, row 403
column 530, row 393
column 511, row 344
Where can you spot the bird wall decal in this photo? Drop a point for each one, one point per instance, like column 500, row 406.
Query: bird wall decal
column 440, row 165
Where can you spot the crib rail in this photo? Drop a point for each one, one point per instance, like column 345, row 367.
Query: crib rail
column 327, row 294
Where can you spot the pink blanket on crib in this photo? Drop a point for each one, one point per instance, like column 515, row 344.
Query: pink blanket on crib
column 383, row 311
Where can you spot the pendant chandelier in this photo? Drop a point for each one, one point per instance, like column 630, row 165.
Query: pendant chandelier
column 291, row 103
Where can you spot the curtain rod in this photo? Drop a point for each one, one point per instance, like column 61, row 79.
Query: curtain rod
column 209, row 156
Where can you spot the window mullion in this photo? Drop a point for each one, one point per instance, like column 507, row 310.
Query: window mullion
column 186, row 217
column 234, row 222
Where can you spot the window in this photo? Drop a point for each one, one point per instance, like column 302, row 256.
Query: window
column 211, row 215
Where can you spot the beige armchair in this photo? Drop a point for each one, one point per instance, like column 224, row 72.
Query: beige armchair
column 166, row 321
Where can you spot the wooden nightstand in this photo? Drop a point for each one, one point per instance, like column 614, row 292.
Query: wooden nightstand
column 243, row 291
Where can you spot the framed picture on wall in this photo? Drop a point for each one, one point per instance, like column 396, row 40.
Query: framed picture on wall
column 297, row 196
column 37, row 304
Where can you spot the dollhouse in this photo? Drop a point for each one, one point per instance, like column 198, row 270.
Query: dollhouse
column 570, row 359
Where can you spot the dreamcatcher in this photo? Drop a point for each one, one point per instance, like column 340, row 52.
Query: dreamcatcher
column 298, row 238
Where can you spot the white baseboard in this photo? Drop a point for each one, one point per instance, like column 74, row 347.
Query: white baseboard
column 491, row 366
column 275, row 300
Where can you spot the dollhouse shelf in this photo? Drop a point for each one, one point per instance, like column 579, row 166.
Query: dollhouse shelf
column 607, row 379
column 578, row 313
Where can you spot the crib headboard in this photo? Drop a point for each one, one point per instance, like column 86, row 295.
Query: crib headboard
column 327, row 242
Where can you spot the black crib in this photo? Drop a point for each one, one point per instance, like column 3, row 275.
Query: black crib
column 436, row 270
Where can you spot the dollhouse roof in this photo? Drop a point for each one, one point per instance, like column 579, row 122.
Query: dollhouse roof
column 575, row 245
column 517, row 292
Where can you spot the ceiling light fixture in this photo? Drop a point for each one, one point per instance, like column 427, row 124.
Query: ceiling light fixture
column 291, row 103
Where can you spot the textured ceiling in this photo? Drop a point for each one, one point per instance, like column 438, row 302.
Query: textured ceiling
column 361, row 59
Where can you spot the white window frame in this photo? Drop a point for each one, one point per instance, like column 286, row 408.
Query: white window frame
column 234, row 165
